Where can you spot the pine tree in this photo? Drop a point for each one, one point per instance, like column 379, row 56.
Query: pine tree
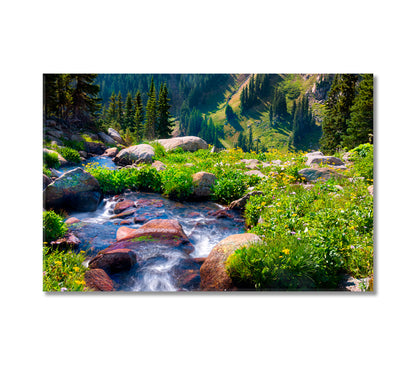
column 129, row 114
column 360, row 124
column 164, row 123
column 151, row 114
column 120, row 111
column 111, row 115
column 84, row 102
column 250, row 140
column 138, row 115
column 337, row 111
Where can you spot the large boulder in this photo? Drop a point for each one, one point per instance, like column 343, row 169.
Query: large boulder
column 95, row 148
column 116, row 136
column 318, row 158
column 74, row 190
column 135, row 154
column 203, row 183
column 187, row 143
column 315, row 174
column 213, row 273
column 106, row 138
column 98, row 280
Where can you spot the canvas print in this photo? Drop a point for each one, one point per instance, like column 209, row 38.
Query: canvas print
column 208, row 182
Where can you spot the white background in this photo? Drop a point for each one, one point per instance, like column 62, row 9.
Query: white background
column 201, row 333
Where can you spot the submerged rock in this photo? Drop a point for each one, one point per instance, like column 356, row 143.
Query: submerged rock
column 166, row 229
column 187, row 143
column 123, row 205
column 214, row 276
column 74, row 190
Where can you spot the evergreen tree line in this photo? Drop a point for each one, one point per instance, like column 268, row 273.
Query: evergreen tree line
column 257, row 87
column 135, row 120
column 248, row 144
column 71, row 97
column 278, row 108
column 348, row 115
column 303, row 122
column 194, row 123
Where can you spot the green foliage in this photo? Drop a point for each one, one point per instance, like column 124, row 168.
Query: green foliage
column 78, row 146
column 229, row 187
column 51, row 160
column 70, row 155
column 177, row 183
column 160, row 151
column 46, row 171
column 53, row 226
column 117, row 181
column 63, row 271
column 362, row 156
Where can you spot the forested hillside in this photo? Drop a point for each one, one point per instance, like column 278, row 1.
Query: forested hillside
column 250, row 111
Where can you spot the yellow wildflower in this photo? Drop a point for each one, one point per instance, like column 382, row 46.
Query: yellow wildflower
column 76, row 268
column 59, row 263
column 285, row 251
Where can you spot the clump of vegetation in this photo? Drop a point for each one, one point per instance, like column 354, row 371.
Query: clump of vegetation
column 362, row 156
column 63, row 271
column 70, row 155
column 229, row 188
column 51, row 160
column 46, row 171
column 177, row 184
column 116, row 181
column 53, row 226
column 77, row 145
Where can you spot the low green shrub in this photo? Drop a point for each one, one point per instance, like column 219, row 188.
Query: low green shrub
column 46, row 171
column 116, row 181
column 177, row 184
column 70, row 155
column 51, row 160
column 53, row 226
column 363, row 164
column 77, row 145
column 160, row 151
column 63, row 270
column 230, row 187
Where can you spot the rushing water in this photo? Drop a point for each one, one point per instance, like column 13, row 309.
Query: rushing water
column 159, row 266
